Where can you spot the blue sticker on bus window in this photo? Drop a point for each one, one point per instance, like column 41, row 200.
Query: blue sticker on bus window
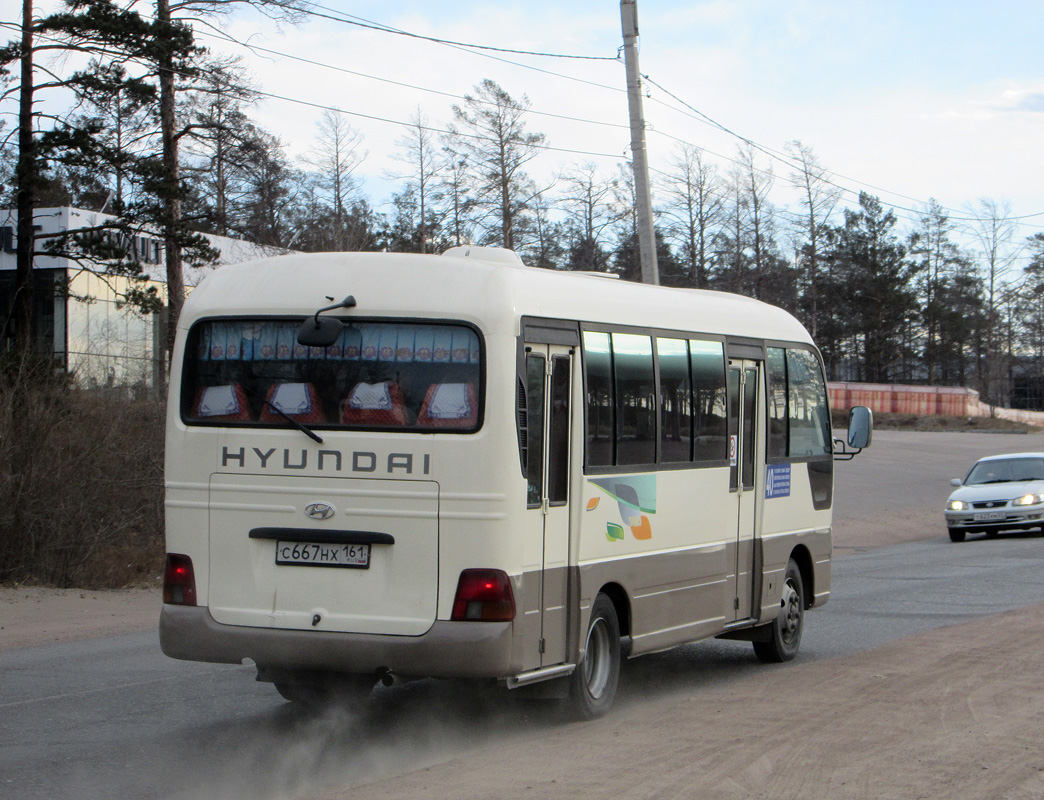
column 777, row 481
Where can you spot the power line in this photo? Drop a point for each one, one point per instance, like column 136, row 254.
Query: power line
column 443, row 131
column 225, row 37
column 791, row 164
column 490, row 56
column 350, row 19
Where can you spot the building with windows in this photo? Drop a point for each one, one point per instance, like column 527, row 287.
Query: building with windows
column 81, row 315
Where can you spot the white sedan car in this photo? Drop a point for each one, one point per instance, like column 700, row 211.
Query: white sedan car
column 1000, row 493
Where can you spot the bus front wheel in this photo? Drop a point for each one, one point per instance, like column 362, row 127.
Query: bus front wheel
column 593, row 683
column 785, row 631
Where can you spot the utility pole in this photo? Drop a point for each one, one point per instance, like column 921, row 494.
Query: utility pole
column 639, row 159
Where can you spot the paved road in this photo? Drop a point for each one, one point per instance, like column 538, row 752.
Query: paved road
column 112, row 717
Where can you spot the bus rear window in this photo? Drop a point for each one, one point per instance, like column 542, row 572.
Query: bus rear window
column 378, row 375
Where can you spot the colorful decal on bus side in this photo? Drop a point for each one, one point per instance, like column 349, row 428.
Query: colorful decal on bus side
column 635, row 497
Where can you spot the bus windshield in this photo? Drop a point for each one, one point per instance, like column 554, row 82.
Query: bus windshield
column 378, row 375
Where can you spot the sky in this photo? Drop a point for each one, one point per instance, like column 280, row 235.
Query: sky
column 908, row 100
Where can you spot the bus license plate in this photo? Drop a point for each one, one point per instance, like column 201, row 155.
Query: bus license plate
column 988, row 515
column 311, row 554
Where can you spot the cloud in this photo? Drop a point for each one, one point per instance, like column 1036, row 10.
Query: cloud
column 1021, row 100
column 1031, row 102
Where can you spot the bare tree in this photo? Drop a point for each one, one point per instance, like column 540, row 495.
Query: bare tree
column 489, row 136
column 626, row 259
column 454, row 188
column 993, row 230
column 939, row 260
column 589, row 201
column 696, row 200
column 732, row 259
column 222, row 141
column 418, row 151
column 335, row 156
column 268, row 193
column 819, row 198
column 756, row 183
column 546, row 248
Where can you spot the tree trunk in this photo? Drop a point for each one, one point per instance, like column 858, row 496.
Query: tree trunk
column 171, row 186
column 27, row 179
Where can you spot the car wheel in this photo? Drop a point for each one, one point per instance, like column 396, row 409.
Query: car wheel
column 785, row 631
column 956, row 535
column 593, row 683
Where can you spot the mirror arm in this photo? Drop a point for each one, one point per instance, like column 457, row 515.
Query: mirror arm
column 348, row 302
column 844, row 454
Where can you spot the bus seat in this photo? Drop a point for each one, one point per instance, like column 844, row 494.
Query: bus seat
column 227, row 403
column 374, row 404
column 297, row 400
column 449, row 405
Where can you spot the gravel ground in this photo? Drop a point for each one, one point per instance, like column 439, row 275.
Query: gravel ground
column 954, row 713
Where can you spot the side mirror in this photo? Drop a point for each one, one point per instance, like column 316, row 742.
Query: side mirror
column 323, row 332
column 956, row 482
column 860, row 427
column 319, row 331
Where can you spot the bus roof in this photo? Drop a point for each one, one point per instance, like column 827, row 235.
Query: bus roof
column 489, row 287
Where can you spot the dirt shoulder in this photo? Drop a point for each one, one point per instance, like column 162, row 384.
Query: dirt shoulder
column 31, row 616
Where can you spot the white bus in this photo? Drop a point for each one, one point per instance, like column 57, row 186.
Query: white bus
column 471, row 468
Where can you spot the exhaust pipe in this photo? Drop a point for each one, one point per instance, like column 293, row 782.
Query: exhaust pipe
column 388, row 678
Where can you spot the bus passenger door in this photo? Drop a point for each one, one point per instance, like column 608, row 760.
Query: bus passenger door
column 549, row 389
column 744, row 376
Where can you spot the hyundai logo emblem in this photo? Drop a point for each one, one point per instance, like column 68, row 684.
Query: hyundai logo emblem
column 319, row 511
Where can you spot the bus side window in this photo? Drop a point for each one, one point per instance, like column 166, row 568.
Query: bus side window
column 598, row 366
column 534, row 451
column 807, row 398
column 672, row 357
column 558, row 433
column 777, row 403
column 635, row 399
column 708, row 401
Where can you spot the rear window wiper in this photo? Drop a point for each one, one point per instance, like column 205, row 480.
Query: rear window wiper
column 293, row 422
column 296, row 423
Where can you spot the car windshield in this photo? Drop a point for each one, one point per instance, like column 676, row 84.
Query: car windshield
column 1006, row 470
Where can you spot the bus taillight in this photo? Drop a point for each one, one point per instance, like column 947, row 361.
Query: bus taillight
column 484, row 595
column 179, row 581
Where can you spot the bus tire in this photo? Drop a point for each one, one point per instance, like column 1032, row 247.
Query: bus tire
column 956, row 535
column 592, row 686
column 785, row 630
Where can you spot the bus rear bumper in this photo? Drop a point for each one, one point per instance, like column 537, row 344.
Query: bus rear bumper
column 446, row 650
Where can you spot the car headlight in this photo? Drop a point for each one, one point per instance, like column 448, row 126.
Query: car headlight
column 1028, row 500
column 957, row 505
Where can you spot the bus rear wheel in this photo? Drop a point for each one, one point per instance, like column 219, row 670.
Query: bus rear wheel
column 317, row 691
column 785, row 630
column 592, row 686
